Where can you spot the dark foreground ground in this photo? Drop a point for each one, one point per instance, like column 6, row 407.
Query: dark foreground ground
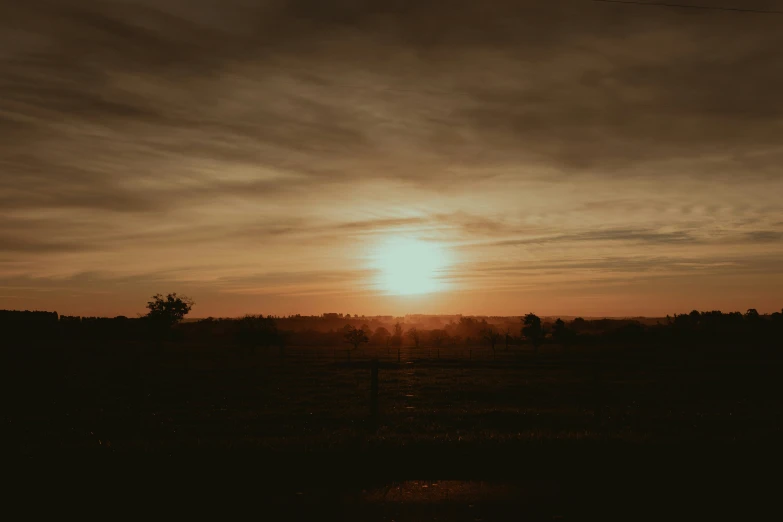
column 625, row 433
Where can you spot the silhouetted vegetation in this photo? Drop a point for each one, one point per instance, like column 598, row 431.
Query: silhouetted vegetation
column 381, row 336
column 414, row 336
column 439, row 337
column 170, row 310
column 90, row 382
column 562, row 334
column 532, row 330
column 492, row 337
column 252, row 332
column 355, row 337
column 396, row 338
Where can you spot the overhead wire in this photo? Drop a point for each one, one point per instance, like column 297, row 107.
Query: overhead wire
column 690, row 6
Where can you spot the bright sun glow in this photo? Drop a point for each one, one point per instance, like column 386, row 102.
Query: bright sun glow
column 410, row 266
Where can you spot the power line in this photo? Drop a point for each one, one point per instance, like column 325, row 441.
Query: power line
column 690, row 6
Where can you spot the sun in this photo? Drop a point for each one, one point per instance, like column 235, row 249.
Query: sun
column 410, row 266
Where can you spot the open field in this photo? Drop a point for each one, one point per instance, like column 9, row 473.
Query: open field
column 119, row 398
column 461, row 435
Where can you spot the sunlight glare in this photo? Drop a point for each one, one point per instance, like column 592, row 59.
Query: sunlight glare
column 410, row 266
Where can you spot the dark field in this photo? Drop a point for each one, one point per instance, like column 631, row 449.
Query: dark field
column 119, row 399
column 523, row 428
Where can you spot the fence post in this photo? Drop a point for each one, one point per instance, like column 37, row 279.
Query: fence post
column 374, row 394
column 597, row 394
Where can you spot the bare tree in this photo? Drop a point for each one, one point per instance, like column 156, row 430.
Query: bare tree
column 413, row 335
column 491, row 336
column 355, row 337
column 396, row 338
column 507, row 338
column 438, row 338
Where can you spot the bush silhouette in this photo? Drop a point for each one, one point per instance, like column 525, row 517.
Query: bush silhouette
column 168, row 311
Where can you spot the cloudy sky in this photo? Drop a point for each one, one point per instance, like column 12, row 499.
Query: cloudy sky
column 566, row 156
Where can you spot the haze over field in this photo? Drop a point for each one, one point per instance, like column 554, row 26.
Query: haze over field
column 492, row 158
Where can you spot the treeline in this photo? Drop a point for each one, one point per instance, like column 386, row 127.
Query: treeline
column 21, row 326
column 733, row 329
column 251, row 332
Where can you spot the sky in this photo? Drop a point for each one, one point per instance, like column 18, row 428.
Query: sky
column 561, row 156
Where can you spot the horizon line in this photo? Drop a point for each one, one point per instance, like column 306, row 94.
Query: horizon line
column 409, row 315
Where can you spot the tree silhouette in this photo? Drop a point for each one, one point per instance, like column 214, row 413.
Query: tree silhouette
column 507, row 338
column 396, row 338
column 257, row 330
column 438, row 337
column 381, row 336
column 533, row 331
column 413, row 335
column 562, row 334
column 170, row 310
column 491, row 336
column 355, row 337
column 579, row 324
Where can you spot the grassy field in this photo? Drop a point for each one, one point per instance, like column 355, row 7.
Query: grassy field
column 118, row 398
column 463, row 434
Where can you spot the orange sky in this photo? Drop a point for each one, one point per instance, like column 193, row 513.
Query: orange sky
column 584, row 159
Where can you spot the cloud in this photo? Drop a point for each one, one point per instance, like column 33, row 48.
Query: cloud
column 626, row 235
column 285, row 136
column 404, row 92
column 765, row 236
column 22, row 245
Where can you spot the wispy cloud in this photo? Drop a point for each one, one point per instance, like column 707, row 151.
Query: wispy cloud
column 212, row 141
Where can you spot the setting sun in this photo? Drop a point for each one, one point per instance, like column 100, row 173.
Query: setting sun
column 410, row 266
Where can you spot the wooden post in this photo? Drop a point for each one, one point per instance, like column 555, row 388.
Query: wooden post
column 374, row 394
column 597, row 394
